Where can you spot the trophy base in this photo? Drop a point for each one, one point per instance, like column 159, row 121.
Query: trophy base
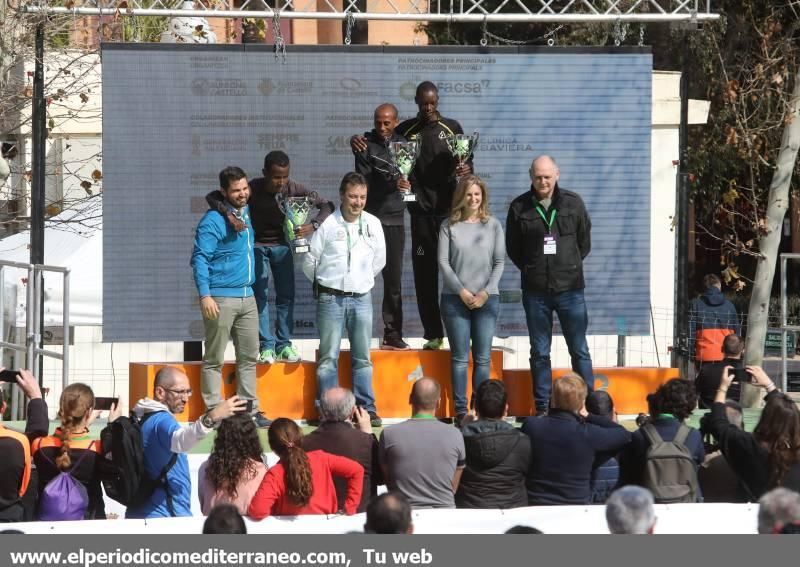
column 301, row 249
column 409, row 198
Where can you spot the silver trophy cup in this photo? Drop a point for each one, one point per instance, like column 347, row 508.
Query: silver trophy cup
column 296, row 210
column 404, row 155
column 462, row 146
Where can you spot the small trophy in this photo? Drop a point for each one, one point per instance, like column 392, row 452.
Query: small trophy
column 462, row 146
column 296, row 210
column 404, row 155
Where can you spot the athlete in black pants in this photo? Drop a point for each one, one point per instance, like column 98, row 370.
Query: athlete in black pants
column 384, row 200
column 433, row 180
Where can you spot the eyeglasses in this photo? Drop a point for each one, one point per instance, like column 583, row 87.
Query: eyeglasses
column 187, row 392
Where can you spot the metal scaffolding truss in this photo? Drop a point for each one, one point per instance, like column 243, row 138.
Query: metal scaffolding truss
column 563, row 11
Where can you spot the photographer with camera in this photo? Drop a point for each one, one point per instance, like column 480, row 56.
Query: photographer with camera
column 708, row 380
column 770, row 456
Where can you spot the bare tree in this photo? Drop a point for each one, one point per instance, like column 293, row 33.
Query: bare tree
column 72, row 91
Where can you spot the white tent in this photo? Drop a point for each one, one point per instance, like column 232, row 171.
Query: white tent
column 74, row 240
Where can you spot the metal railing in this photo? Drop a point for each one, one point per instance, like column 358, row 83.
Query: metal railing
column 32, row 347
column 454, row 11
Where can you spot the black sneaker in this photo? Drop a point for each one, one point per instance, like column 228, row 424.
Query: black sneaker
column 458, row 419
column 394, row 343
column 374, row 419
column 261, row 420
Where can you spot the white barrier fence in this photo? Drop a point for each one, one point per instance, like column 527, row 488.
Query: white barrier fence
column 672, row 519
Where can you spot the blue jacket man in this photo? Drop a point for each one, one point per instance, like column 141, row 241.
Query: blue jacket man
column 166, row 442
column 223, row 266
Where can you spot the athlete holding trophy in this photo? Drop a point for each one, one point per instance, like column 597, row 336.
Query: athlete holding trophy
column 279, row 209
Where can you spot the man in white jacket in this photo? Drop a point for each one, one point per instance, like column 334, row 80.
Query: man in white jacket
column 166, row 442
column 346, row 252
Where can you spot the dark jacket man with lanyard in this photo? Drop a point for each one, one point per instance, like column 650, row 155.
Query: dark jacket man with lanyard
column 547, row 238
column 385, row 201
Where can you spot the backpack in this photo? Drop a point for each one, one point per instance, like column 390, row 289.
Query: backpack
column 670, row 472
column 64, row 497
column 126, row 479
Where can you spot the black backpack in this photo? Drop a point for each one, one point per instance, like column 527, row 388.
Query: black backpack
column 126, row 479
column 670, row 472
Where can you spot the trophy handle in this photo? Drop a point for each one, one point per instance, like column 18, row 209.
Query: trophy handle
column 281, row 201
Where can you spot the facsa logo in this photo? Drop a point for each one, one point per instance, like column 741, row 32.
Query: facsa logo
column 466, row 87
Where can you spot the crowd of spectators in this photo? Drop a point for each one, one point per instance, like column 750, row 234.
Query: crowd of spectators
column 577, row 453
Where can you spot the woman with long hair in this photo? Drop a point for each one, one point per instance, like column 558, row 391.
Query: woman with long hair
column 472, row 254
column 301, row 482
column 235, row 469
column 770, row 456
column 72, row 449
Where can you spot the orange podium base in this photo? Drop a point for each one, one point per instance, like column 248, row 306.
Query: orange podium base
column 628, row 387
column 289, row 389
column 394, row 373
column 284, row 389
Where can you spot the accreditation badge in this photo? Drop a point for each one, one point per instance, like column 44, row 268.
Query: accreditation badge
column 549, row 248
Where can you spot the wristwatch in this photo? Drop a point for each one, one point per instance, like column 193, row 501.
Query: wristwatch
column 207, row 421
column 315, row 224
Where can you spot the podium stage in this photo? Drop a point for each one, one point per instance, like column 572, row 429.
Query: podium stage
column 289, row 389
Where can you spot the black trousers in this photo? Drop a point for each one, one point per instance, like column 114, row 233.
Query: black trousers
column 424, row 259
column 395, row 236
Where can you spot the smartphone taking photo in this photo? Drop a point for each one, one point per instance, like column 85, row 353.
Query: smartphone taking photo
column 9, row 376
column 248, row 408
column 741, row 375
column 104, row 404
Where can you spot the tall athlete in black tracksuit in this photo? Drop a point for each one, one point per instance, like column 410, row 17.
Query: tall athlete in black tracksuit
column 434, row 181
column 385, row 201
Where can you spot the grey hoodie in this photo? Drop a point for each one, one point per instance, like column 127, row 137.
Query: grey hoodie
column 183, row 439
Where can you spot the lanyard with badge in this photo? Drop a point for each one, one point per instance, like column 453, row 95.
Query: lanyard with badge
column 549, row 247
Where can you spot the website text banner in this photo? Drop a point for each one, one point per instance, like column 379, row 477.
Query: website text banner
column 381, row 550
column 174, row 116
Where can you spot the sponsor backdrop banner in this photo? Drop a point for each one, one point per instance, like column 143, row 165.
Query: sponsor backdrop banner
column 174, row 116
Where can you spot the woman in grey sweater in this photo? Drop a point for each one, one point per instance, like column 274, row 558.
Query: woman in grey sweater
column 472, row 253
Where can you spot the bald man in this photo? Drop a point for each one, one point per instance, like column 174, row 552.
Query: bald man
column 166, row 442
column 423, row 458
column 547, row 238
column 385, row 201
column 346, row 431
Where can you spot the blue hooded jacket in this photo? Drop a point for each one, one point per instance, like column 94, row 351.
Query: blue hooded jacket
column 711, row 318
column 222, row 260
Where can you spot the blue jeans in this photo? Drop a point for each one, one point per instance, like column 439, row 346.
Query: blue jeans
column 463, row 324
column 334, row 313
column 571, row 309
column 279, row 259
